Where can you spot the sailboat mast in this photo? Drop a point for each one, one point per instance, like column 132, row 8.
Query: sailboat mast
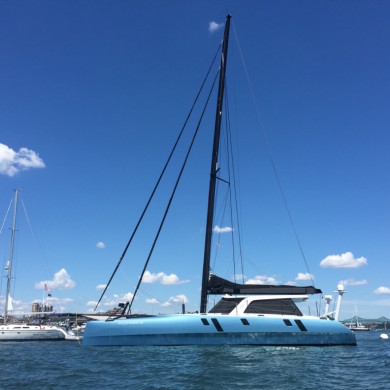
column 214, row 169
column 9, row 264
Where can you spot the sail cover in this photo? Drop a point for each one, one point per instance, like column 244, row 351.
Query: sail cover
column 219, row 286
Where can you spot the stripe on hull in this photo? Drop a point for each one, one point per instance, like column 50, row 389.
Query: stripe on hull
column 259, row 339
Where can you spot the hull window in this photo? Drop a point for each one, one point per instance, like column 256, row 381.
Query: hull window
column 217, row 325
column 300, row 325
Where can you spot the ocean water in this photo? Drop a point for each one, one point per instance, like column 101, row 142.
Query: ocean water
column 68, row 365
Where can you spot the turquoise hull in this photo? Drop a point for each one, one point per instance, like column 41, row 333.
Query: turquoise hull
column 196, row 329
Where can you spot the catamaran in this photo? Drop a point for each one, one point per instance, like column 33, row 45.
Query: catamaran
column 247, row 314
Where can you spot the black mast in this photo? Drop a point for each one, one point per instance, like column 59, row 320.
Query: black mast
column 214, row 169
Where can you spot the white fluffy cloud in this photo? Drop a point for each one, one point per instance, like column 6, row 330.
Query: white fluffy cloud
column 262, row 279
column 225, row 229
column 128, row 296
column 291, row 283
column 152, row 301
column 162, row 278
column 61, row 281
column 101, row 245
column 214, row 26
column 352, row 282
column 12, row 162
column 101, row 286
column 110, row 302
column 345, row 260
column 177, row 300
column 382, row 290
column 116, row 299
column 306, row 276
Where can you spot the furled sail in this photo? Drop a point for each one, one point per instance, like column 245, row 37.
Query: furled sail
column 217, row 286
column 10, row 306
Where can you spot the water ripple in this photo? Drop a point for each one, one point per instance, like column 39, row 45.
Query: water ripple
column 67, row 365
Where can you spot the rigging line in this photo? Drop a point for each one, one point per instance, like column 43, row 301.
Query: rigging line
column 260, row 124
column 222, row 212
column 233, row 229
column 36, row 243
column 225, row 198
column 140, row 289
column 6, row 214
column 231, row 154
column 159, row 179
column 232, row 235
column 1, row 230
column 229, row 190
column 12, row 259
column 143, row 291
column 173, row 193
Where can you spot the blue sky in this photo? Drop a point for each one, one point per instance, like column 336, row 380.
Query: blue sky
column 93, row 95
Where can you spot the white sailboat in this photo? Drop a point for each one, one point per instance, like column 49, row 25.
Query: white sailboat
column 247, row 314
column 13, row 331
column 356, row 326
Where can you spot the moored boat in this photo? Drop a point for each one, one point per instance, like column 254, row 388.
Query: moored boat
column 247, row 314
column 26, row 332
column 10, row 331
column 356, row 326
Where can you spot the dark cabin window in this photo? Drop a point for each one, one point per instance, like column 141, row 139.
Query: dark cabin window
column 225, row 306
column 273, row 306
